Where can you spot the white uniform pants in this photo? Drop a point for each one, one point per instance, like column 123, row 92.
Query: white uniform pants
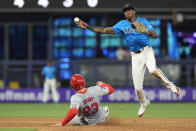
column 140, row 61
column 77, row 120
column 50, row 84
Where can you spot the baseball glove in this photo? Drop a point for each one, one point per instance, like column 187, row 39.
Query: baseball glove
column 139, row 27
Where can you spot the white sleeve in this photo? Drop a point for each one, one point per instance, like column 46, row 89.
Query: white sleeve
column 102, row 90
column 75, row 102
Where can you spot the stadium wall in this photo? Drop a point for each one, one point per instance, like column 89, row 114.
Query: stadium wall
column 120, row 95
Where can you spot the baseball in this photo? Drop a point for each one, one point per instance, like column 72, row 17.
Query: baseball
column 76, row 19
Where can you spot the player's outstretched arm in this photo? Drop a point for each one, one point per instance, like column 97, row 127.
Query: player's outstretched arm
column 106, row 30
column 70, row 115
column 103, row 30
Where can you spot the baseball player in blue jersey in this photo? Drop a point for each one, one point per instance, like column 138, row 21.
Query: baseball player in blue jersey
column 49, row 71
column 136, row 31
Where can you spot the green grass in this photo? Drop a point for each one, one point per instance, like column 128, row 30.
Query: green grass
column 17, row 129
column 155, row 110
column 32, row 110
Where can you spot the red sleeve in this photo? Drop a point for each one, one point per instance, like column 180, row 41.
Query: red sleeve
column 111, row 90
column 70, row 115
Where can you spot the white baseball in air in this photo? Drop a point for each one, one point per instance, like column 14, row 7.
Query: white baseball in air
column 76, row 19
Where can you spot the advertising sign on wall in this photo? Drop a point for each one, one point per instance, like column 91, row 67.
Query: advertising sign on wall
column 120, row 95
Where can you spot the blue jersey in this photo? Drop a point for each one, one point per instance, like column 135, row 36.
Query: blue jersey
column 134, row 39
column 49, row 72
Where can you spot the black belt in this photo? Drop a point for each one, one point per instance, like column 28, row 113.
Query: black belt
column 140, row 50
column 137, row 51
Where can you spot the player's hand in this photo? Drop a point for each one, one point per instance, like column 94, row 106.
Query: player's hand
column 82, row 24
column 99, row 83
column 57, row 125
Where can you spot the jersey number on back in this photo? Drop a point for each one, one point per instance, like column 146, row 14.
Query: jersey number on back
column 93, row 107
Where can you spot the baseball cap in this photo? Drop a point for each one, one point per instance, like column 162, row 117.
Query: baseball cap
column 128, row 6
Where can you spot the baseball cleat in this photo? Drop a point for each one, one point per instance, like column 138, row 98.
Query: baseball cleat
column 106, row 110
column 142, row 108
column 178, row 91
column 173, row 88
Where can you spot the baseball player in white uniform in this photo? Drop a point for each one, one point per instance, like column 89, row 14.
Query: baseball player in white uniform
column 85, row 107
column 141, row 51
column 49, row 71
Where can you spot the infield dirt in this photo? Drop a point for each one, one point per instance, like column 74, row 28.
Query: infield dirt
column 113, row 124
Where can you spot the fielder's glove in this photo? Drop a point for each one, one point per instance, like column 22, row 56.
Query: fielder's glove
column 139, row 27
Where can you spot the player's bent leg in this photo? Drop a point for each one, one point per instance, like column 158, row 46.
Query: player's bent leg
column 104, row 116
column 151, row 65
column 77, row 121
column 159, row 74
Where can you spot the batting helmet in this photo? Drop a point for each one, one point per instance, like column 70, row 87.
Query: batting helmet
column 128, row 6
column 77, row 82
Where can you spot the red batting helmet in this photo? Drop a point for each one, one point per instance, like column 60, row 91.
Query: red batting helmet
column 77, row 82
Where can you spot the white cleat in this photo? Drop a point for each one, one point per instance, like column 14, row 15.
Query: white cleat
column 142, row 108
column 173, row 88
column 106, row 110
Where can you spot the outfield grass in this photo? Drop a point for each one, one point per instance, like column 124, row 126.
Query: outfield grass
column 155, row 110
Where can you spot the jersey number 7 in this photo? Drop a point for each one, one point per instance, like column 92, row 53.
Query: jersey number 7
column 93, row 107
